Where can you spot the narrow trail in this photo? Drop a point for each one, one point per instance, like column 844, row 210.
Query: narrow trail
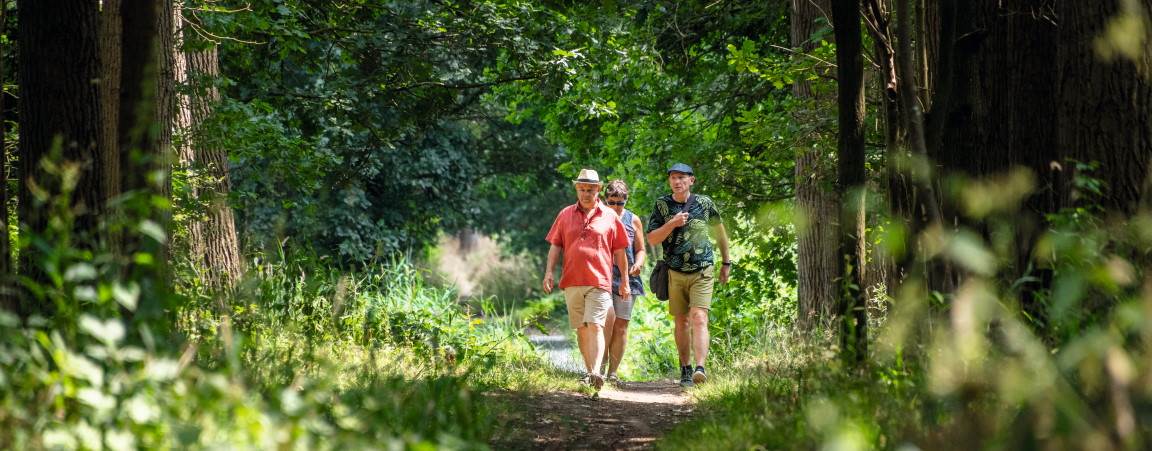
column 632, row 416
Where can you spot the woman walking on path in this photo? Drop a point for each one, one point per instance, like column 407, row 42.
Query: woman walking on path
column 616, row 327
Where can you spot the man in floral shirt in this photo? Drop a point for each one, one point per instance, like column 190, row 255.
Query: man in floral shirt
column 681, row 222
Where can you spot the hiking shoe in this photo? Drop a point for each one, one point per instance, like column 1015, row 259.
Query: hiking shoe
column 699, row 376
column 615, row 381
column 685, row 376
column 596, row 381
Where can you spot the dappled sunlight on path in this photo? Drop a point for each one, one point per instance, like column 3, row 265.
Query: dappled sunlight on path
column 652, row 392
column 631, row 416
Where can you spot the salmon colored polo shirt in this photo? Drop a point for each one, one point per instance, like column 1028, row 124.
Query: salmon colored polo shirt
column 588, row 242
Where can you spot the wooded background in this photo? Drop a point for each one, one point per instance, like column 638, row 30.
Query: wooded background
column 860, row 150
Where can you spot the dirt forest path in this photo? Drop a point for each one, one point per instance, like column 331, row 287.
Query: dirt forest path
column 632, row 416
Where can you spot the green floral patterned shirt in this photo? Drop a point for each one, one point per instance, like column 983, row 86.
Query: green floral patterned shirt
column 688, row 249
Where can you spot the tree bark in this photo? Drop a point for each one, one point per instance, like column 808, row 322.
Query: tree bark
column 213, row 244
column 60, row 113
column 816, row 260
column 894, row 181
column 111, row 37
column 8, row 298
column 142, row 113
column 805, row 17
column 995, row 109
column 143, row 144
column 925, row 205
column 850, row 144
column 1106, row 103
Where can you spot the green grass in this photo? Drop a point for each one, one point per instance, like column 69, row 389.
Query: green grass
column 651, row 351
column 794, row 396
column 302, row 356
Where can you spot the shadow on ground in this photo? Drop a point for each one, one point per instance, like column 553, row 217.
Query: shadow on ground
column 626, row 417
column 630, row 417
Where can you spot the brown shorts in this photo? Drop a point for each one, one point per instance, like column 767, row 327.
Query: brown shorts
column 687, row 290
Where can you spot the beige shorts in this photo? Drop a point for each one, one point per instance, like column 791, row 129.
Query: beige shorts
column 687, row 290
column 587, row 304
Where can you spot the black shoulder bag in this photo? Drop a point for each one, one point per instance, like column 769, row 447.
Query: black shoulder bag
column 658, row 281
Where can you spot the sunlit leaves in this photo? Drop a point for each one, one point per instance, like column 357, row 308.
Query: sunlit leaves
column 380, row 105
column 108, row 331
column 997, row 194
column 1126, row 35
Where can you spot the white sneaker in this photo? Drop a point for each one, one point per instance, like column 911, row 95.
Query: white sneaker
column 699, row 376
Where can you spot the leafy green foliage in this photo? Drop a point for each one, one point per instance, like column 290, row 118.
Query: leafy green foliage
column 652, row 83
column 762, row 292
column 650, row 353
column 361, row 128
column 794, row 393
column 983, row 368
column 306, row 356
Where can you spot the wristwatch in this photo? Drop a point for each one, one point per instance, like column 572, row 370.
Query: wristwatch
column 727, row 263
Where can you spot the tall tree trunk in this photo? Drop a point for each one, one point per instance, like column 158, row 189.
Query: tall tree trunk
column 111, row 37
column 816, row 251
column 928, row 35
column 145, row 90
column 143, row 138
column 850, row 185
column 1106, row 101
column 8, row 298
column 895, row 181
column 59, row 109
column 165, row 79
column 213, row 244
column 996, row 109
column 925, row 205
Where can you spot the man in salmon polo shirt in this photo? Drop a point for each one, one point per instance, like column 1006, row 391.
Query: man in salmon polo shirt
column 592, row 238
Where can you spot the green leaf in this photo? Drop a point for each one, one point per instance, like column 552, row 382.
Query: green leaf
column 110, row 331
column 141, row 409
column 143, row 258
column 96, row 399
column 79, row 272
column 969, row 251
column 127, row 295
column 58, row 438
column 153, row 230
column 118, row 439
column 162, row 369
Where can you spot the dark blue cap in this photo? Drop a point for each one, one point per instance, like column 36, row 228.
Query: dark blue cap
column 680, row 167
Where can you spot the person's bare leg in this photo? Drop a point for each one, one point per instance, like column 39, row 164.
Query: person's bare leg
column 582, row 344
column 698, row 319
column 616, row 346
column 680, row 332
column 609, row 329
column 593, row 347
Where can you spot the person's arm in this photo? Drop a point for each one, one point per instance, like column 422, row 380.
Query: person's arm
column 659, row 234
column 722, row 243
column 553, row 255
column 622, row 264
column 639, row 247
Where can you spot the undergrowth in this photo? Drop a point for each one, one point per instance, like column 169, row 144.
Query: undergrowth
column 299, row 356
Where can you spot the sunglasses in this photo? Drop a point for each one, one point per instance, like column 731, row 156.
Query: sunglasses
column 613, row 202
